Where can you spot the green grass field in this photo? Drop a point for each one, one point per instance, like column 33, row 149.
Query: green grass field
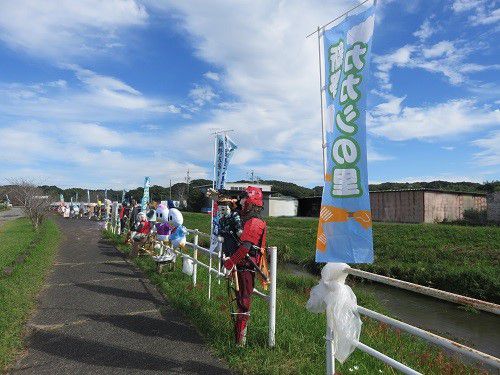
column 18, row 291
column 459, row 259
column 300, row 334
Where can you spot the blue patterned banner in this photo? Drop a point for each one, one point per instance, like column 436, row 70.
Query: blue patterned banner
column 345, row 225
column 224, row 153
column 145, row 196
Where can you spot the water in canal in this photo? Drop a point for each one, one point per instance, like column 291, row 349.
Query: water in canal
column 479, row 330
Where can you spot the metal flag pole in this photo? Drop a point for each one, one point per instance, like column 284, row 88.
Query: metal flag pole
column 339, row 17
column 321, row 87
column 212, row 219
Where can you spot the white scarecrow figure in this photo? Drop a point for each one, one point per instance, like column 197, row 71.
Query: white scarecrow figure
column 163, row 230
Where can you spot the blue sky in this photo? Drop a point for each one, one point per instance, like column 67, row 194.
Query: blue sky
column 100, row 94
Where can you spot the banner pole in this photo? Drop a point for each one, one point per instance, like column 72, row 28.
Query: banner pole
column 212, row 221
column 342, row 15
column 323, row 141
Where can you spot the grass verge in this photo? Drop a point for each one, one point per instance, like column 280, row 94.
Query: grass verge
column 18, row 291
column 300, row 334
column 458, row 259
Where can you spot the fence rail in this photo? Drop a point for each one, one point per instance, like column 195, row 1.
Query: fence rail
column 436, row 293
column 269, row 298
column 330, row 361
column 428, row 336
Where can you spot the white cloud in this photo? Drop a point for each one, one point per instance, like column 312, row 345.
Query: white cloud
column 97, row 98
column 212, row 75
column 445, row 57
column 434, row 122
column 485, row 17
column 300, row 173
column 243, row 156
column 373, row 155
column 94, row 135
column 399, row 58
column 448, row 148
column 362, row 32
column 491, row 149
column 464, row 5
column 392, row 105
column 95, row 155
column 271, row 70
column 483, row 12
column 202, row 95
column 425, row 31
column 444, row 47
column 61, row 30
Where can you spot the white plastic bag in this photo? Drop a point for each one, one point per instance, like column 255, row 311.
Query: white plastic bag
column 339, row 302
column 187, row 265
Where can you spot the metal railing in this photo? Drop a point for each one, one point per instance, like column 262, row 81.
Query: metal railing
column 330, row 362
column 269, row 298
column 471, row 353
column 436, row 293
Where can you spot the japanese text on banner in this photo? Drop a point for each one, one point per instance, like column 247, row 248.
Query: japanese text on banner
column 345, row 226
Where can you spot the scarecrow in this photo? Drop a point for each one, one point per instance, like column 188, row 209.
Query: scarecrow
column 246, row 259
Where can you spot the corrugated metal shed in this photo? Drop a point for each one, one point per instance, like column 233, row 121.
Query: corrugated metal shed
column 494, row 207
column 423, row 205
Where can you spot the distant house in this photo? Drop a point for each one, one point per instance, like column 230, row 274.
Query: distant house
column 273, row 205
column 423, row 205
column 413, row 206
column 493, row 211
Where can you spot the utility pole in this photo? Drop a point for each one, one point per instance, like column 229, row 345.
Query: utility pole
column 170, row 195
column 252, row 176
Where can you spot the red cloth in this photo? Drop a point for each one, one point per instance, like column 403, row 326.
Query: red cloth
column 144, row 227
column 254, row 232
column 246, row 280
column 122, row 210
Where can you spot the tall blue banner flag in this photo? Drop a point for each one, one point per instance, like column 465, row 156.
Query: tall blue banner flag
column 225, row 148
column 145, row 196
column 224, row 153
column 345, row 225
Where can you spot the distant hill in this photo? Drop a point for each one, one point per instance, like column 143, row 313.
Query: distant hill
column 468, row 187
column 179, row 190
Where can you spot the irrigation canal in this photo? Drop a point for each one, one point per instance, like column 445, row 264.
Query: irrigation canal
column 477, row 329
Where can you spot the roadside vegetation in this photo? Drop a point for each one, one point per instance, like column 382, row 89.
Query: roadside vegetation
column 458, row 259
column 19, row 288
column 300, row 334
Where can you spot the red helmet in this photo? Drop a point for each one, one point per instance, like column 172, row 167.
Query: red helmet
column 254, row 196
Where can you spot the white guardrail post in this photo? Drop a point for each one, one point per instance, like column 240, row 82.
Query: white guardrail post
column 272, row 297
column 219, row 248
column 330, row 352
column 195, row 256
column 209, row 275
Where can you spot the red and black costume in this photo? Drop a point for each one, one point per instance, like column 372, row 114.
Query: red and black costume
column 253, row 239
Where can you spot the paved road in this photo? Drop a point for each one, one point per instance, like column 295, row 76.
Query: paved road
column 13, row 213
column 97, row 314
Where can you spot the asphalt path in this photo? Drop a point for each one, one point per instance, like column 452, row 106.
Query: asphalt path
column 11, row 214
column 98, row 314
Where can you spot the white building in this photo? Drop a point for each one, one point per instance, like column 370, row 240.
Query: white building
column 273, row 205
column 244, row 185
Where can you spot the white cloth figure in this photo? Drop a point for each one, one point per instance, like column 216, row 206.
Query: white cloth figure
column 341, row 306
